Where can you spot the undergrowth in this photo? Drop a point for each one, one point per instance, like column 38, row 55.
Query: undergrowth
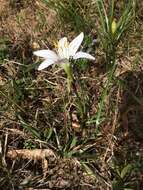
column 94, row 132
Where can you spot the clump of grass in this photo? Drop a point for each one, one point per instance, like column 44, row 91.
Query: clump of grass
column 111, row 32
column 73, row 13
column 4, row 51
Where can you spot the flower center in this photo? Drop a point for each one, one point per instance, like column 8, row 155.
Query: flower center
column 63, row 49
column 66, row 44
column 55, row 43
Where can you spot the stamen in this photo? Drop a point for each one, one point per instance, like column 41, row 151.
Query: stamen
column 55, row 43
column 66, row 44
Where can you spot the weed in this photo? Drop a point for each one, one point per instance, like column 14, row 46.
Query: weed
column 110, row 34
column 73, row 13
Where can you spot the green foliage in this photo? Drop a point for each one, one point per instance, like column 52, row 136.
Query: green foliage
column 122, row 180
column 17, row 90
column 83, row 64
column 70, row 12
column 68, row 150
column 48, row 132
column 110, row 38
column 28, row 144
column 110, row 34
column 29, row 127
column 3, row 49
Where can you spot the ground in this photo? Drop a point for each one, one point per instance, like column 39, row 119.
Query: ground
column 46, row 140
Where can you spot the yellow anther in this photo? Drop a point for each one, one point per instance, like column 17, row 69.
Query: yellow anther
column 66, row 44
column 55, row 44
column 35, row 45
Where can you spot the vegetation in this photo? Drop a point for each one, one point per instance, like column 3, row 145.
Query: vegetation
column 86, row 136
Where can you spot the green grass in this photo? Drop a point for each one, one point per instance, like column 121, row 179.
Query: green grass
column 72, row 13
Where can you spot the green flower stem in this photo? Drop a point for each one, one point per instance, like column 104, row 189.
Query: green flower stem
column 70, row 78
column 71, row 84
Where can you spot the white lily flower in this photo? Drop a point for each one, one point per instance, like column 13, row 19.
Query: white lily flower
column 65, row 51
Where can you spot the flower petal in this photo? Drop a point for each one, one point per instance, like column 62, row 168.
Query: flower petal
column 83, row 55
column 74, row 45
column 47, row 54
column 63, row 48
column 62, row 42
column 45, row 64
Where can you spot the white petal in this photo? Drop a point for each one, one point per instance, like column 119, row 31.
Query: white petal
column 83, row 55
column 63, row 48
column 62, row 42
column 47, row 54
column 74, row 45
column 45, row 64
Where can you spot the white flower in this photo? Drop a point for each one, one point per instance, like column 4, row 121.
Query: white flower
column 65, row 51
